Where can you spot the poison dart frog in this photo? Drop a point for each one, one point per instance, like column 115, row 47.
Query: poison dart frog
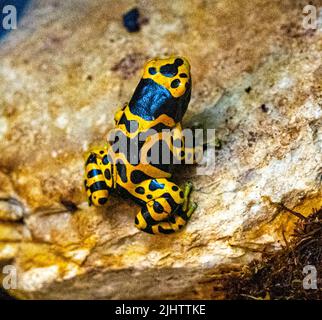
column 159, row 102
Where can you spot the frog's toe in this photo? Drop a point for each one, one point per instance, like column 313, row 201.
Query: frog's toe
column 186, row 193
column 191, row 209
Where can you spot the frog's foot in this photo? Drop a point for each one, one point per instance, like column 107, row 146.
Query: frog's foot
column 164, row 212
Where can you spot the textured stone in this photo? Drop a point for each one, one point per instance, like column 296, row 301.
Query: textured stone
column 63, row 73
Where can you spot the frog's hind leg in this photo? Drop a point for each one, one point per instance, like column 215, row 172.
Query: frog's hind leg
column 164, row 213
column 98, row 177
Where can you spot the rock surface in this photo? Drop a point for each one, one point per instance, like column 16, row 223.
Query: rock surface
column 257, row 79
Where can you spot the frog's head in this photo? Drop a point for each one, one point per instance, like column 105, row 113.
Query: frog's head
column 165, row 88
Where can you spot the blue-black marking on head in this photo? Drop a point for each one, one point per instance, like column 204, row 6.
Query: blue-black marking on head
column 170, row 70
column 150, row 100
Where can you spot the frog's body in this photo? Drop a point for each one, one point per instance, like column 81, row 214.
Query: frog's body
column 159, row 102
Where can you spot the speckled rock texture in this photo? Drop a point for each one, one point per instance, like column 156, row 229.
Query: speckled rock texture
column 257, row 79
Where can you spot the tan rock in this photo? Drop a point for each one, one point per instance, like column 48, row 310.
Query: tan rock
column 63, row 73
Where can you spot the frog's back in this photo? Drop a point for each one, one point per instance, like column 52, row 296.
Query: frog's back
column 157, row 106
column 139, row 150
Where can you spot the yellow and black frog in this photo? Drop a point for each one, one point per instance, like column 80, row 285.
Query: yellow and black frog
column 125, row 164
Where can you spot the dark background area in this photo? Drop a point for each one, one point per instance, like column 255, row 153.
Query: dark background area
column 4, row 295
column 20, row 6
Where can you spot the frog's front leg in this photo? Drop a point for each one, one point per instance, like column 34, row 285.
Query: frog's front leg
column 185, row 147
column 98, row 176
column 167, row 211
